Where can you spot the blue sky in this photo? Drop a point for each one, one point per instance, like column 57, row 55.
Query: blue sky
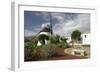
column 62, row 23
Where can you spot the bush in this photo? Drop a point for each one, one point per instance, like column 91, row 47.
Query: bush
column 34, row 52
column 43, row 52
column 29, row 49
column 49, row 48
column 62, row 45
column 54, row 40
column 29, row 45
column 39, row 54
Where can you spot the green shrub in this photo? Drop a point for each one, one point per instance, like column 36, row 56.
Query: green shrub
column 54, row 39
column 43, row 52
column 49, row 48
column 29, row 45
column 29, row 49
column 62, row 45
column 33, row 52
column 39, row 54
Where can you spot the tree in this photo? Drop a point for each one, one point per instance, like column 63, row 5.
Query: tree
column 75, row 36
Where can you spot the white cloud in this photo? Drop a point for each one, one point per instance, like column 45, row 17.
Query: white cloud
column 45, row 25
column 60, row 17
column 65, row 24
column 65, row 28
column 45, row 16
column 84, row 22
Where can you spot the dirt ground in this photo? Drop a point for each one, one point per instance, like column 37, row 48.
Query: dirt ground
column 60, row 55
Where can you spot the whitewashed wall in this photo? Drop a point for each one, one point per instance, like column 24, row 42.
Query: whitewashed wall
column 86, row 39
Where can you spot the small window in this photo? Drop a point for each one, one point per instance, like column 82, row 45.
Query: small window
column 85, row 36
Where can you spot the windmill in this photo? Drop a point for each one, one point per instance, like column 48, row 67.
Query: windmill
column 46, row 31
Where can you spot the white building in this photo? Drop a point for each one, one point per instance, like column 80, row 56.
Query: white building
column 68, row 39
column 45, row 31
column 86, row 38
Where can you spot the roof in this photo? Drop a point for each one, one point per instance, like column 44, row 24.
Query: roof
column 86, row 33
